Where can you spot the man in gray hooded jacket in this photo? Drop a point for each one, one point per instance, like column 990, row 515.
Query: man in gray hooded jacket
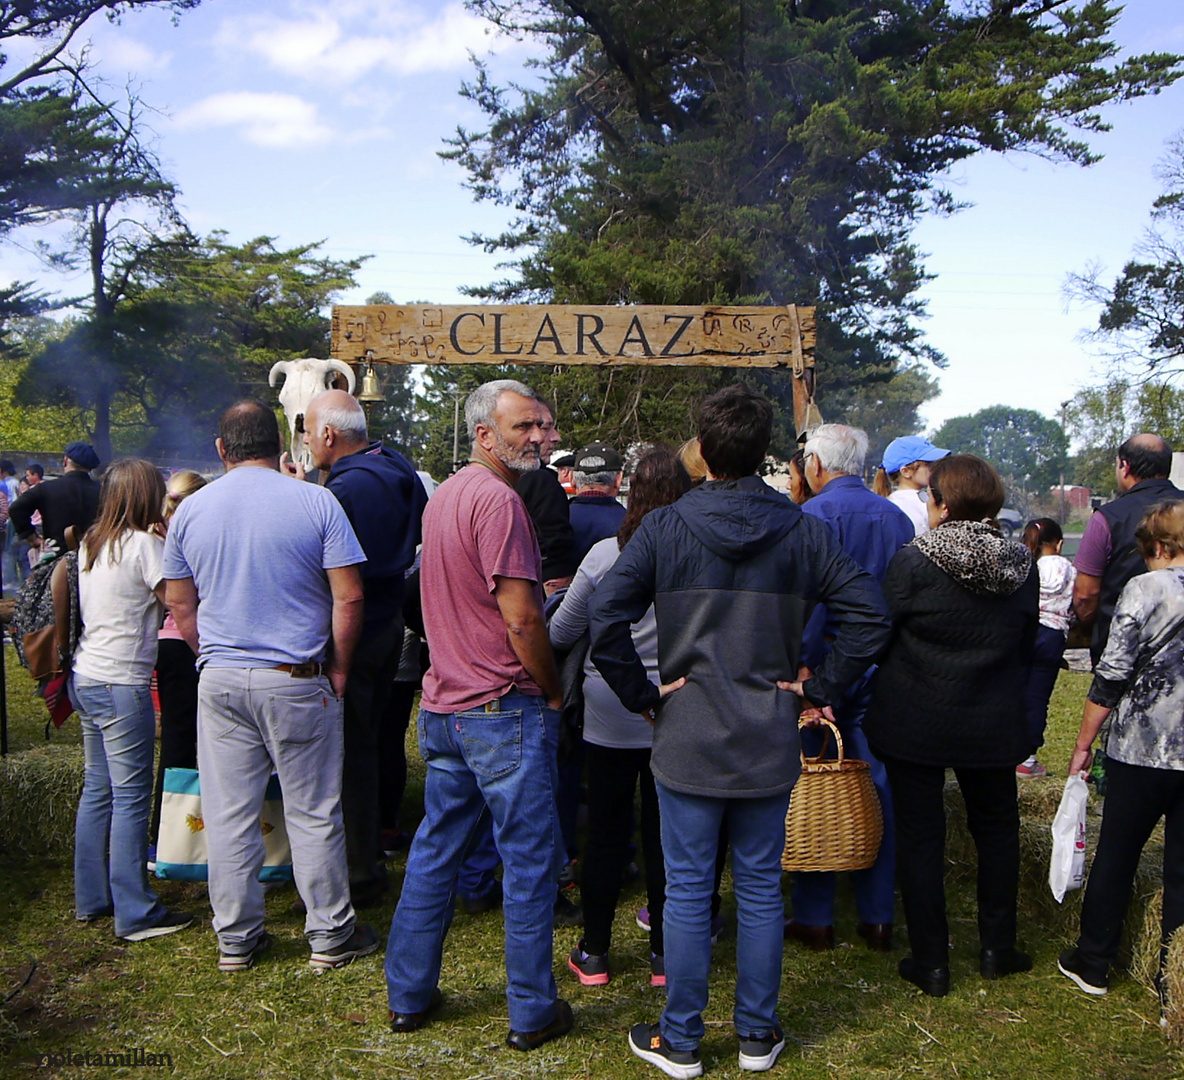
column 733, row 570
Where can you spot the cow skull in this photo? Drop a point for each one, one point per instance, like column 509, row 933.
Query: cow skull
column 304, row 380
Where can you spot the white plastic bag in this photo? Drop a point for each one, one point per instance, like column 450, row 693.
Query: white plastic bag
column 1067, row 869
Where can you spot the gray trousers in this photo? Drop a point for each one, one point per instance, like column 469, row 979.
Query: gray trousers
column 249, row 720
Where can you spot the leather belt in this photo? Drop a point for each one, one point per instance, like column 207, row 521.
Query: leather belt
column 309, row 670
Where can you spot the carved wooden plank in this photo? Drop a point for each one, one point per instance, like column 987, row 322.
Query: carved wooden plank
column 575, row 334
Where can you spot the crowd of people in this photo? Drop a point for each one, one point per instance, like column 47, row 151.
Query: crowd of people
column 659, row 654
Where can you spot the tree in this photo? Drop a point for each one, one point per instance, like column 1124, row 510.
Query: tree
column 195, row 323
column 1101, row 418
column 1141, row 326
column 1028, row 449
column 123, row 204
column 46, row 108
column 703, row 151
column 886, row 410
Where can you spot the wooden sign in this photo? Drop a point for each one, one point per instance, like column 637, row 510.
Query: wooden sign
column 766, row 337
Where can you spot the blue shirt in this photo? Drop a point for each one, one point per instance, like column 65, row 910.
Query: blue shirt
column 384, row 500
column 870, row 529
column 593, row 518
column 257, row 545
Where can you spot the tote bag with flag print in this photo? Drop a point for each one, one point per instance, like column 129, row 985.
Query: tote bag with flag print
column 181, row 847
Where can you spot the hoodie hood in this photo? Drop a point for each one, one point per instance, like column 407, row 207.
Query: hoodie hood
column 977, row 556
column 737, row 519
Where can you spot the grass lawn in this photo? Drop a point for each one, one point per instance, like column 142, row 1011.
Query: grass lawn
column 845, row 1011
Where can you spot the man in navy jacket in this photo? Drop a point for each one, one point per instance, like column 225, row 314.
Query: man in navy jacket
column 733, row 571
column 384, row 499
column 871, row 530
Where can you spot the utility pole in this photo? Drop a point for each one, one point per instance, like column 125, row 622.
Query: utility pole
column 456, row 396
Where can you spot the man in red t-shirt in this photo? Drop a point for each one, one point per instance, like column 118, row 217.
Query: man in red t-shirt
column 488, row 725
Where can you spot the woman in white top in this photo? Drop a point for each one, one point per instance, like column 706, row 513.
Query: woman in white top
column 120, row 589
column 906, row 464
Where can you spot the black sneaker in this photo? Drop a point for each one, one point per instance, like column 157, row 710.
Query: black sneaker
column 478, row 905
column 648, row 1043
column 1069, row 964
column 590, row 969
column 362, row 942
column 567, row 913
column 759, row 1055
column 169, row 924
column 232, row 962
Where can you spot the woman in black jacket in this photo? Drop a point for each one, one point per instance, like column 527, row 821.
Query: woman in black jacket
column 949, row 693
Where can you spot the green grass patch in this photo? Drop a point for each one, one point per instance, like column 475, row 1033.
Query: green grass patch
column 845, row 1012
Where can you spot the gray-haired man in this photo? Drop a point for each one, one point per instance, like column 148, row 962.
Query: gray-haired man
column 488, row 726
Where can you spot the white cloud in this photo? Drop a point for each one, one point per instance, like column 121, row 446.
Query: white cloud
column 277, row 121
column 127, row 54
column 355, row 40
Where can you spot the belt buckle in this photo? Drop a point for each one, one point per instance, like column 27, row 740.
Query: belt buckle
column 306, row 670
column 494, row 706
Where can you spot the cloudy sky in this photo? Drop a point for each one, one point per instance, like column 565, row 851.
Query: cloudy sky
column 309, row 121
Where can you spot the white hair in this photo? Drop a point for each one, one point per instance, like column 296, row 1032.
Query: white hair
column 350, row 420
column 594, row 479
column 481, row 404
column 838, row 448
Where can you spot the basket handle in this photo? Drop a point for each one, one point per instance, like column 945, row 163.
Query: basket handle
column 832, row 729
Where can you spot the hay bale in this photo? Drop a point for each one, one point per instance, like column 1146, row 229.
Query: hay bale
column 1039, row 914
column 39, row 792
column 1173, row 986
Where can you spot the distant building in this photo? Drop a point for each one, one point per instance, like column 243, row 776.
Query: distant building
column 1076, row 497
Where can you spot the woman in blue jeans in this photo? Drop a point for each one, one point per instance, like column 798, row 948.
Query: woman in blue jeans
column 120, row 589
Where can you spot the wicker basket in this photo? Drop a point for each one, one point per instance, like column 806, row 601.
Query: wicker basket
column 834, row 820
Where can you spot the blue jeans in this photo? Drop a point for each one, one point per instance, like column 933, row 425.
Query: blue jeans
column 690, row 839
column 875, row 888
column 476, row 879
column 111, row 830
column 501, row 763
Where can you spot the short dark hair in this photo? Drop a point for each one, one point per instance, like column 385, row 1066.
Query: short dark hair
column 967, row 487
column 249, row 431
column 1147, row 456
column 7, row 466
column 36, row 469
column 735, row 428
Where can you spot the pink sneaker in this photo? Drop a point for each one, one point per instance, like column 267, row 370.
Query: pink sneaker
column 1029, row 772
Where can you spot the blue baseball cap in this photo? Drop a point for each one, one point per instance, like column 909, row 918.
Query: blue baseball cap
column 909, row 448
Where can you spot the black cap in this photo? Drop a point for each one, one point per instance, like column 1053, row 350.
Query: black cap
column 598, row 457
column 83, row 454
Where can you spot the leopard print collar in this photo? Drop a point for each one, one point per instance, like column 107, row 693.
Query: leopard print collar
column 975, row 554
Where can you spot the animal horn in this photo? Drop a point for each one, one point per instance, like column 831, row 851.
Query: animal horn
column 345, row 369
column 280, row 367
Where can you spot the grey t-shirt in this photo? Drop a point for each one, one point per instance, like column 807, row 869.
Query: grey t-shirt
column 1141, row 672
column 606, row 721
column 257, row 545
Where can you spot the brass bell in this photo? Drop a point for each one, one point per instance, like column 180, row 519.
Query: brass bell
column 371, row 384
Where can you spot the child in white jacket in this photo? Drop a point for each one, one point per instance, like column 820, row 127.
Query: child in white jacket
column 1044, row 539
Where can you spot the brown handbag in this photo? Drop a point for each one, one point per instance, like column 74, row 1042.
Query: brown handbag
column 834, row 820
column 48, row 649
